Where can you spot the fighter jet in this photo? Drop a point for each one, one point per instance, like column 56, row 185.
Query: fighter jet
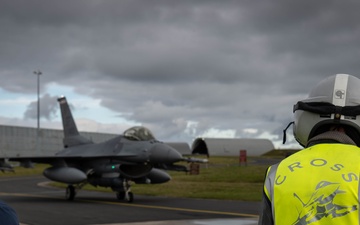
column 115, row 163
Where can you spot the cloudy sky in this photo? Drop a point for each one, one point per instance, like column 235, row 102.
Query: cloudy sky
column 184, row 69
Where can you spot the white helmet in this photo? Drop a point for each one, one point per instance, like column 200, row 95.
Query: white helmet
column 334, row 101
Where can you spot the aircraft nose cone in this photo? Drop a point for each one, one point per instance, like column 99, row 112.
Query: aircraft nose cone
column 162, row 153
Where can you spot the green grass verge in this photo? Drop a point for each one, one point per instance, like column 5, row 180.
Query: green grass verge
column 20, row 171
column 221, row 178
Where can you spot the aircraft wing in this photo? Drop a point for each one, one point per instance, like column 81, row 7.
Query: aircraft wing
column 41, row 159
column 27, row 161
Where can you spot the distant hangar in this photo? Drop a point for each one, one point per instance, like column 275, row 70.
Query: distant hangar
column 22, row 141
column 231, row 146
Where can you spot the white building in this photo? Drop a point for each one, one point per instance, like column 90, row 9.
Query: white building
column 231, row 146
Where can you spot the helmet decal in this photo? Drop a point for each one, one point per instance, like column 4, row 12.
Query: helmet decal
column 340, row 87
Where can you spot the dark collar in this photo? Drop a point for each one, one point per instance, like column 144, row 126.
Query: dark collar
column 330, row 137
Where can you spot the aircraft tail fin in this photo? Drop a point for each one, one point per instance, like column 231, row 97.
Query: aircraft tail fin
column 72, row 136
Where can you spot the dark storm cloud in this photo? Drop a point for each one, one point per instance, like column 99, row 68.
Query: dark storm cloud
column 182, row 65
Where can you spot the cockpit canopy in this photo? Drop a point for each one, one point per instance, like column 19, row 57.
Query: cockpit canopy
column 139, row 133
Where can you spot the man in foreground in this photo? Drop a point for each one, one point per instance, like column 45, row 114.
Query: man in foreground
column 320, row 184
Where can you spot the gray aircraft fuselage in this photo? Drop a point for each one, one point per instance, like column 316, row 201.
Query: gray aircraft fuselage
column 151, row 151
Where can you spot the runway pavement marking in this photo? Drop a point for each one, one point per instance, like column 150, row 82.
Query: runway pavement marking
column 10, row 178
column 175, row 209
column 136, row 205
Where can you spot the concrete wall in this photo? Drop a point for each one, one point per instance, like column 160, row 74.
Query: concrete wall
column 21, row 141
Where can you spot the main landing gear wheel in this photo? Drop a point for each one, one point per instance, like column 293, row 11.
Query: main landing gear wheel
column 70, row 193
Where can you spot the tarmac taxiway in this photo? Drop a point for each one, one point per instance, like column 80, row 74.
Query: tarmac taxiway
column 40, row 205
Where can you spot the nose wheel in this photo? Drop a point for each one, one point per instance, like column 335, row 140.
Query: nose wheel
column 126, row 193
column 129, row 197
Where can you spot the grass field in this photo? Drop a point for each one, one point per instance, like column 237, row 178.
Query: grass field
column 221, row 178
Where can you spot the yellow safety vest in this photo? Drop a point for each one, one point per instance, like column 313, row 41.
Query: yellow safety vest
column 318, row 185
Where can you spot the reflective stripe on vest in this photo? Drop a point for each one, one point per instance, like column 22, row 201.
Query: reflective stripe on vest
column 318, row 185
column 269, row 185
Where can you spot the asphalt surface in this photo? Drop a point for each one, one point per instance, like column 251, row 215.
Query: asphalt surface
column 37, row 204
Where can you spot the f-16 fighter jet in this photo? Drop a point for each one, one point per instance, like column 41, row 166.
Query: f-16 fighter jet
column 113, row 163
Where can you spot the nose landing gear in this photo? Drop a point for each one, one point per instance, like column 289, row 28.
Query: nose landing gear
column 126, row 193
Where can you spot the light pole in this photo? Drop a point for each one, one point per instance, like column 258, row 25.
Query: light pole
column 38, row 73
